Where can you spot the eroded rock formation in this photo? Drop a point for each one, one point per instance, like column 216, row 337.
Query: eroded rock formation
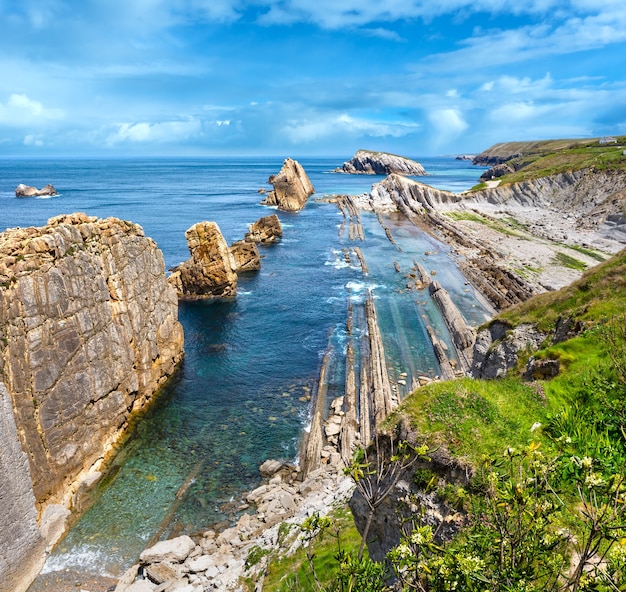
column 292, row 187
column 210, row 272
column 246, row 256
column 265, row 230
column 88, row 332
column 365, row 162
column 29, row 191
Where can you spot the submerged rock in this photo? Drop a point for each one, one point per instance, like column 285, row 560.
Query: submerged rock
column 292, row 187
column 365, row 162
column 29, row 191
column 210, row 272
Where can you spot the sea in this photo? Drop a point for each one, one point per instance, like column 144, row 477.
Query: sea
column 243, row 392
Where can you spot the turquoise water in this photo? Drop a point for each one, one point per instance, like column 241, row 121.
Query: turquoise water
column 241, row 394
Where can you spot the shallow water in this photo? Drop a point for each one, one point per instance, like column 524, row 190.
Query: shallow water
column 241, row 394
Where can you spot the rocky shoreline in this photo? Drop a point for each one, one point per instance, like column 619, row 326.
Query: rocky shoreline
column 510, row 242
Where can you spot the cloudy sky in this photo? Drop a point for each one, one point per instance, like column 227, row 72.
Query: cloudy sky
column 306, row 77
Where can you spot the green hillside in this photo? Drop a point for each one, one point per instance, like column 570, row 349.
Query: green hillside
column 531, row 160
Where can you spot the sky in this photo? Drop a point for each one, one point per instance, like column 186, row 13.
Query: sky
column 306, row 77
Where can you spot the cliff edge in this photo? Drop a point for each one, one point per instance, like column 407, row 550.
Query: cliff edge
column 88, row 332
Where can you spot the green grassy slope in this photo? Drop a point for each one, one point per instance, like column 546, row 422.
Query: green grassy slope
column 532, row 160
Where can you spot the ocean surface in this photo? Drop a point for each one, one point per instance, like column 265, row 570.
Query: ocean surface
column 242, row 393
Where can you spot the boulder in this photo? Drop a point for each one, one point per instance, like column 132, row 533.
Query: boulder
column 270, row 467
column 292, row 187
column 265, row 230
column 246, row 256
column 29, row 191
column 365, row 162
column 173, row 550
column 210, row 272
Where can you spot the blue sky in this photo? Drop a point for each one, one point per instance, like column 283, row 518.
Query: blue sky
column 306, row 77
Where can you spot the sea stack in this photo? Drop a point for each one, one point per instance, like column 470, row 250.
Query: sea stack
column 211, row 270
column 292, row 187
column 366, row 162
column 88, row 332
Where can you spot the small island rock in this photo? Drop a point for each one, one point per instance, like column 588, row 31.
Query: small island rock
column 365, row 162
column 292, row 187
column 29, row 191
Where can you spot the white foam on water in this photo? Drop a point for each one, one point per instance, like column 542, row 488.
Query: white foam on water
column 88, row 558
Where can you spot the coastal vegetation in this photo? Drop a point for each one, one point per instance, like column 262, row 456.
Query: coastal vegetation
column 532, row 160
column 545, row 507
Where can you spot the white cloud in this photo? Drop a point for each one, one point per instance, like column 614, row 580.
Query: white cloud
column 22, row 111
column 32, row 140
column 162, row 132
column 448, row 125
column 319, row 127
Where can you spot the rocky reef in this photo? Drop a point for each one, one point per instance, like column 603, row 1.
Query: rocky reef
column 29, row 191
column 292, row 187
column 210, row 272
column 88, row 332
column 365, row 162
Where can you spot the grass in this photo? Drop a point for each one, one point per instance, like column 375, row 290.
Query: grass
column 599, row 294
column 474, row 418
column 493, row 224
column 541, row 159
column 588, row 252
column 570, row 262
column 287, row 572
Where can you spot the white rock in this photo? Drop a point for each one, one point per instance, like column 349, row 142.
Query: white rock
column 141, row 586
column 174, row 550
column 202, row 563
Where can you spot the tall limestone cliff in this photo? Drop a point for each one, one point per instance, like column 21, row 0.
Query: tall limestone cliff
column 88, row 332
column 292, row 187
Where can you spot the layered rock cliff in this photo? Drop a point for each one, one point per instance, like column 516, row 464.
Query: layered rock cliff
column 292, row 187
column 365, row 162
column 88, row 332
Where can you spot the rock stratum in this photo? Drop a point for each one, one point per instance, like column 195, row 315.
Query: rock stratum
column 365, row 162
column 29, row 191
column 517, row 240
column 88, row 333
column 292, row 187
